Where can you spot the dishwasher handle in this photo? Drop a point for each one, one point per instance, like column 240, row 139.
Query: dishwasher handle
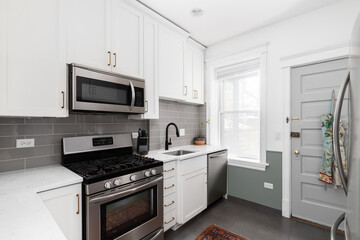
column 218, row 155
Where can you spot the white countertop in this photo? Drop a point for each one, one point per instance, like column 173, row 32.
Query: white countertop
column 23, row 214
column 197, row 149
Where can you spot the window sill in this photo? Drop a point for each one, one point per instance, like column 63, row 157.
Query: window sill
column 236, row 162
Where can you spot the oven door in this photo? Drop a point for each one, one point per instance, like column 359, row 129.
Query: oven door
column 100, row 91
column 130, row 212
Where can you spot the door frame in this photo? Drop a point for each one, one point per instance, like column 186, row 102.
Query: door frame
column 333, row 52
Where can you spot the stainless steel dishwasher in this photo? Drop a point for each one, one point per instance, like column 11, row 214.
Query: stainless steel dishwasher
column 217, row 176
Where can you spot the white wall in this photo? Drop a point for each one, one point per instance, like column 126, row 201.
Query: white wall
column 324, row 27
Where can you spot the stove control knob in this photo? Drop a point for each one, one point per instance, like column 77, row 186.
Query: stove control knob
column 108, row 185
column 147, row 173
column 153, row 171
column 117, row 182
column 132, row 177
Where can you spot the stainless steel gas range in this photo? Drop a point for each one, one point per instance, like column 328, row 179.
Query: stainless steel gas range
column 123, row 193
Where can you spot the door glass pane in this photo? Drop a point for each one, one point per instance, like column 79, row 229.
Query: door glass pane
column 122, row 215
column 91, row 90
column 240, row 133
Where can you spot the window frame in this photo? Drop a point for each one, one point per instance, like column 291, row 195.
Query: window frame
column 215, row 102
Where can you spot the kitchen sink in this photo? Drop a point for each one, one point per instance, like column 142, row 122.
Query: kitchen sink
column 178, row 152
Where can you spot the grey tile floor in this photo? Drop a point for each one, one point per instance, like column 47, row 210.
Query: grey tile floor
column 249, row 220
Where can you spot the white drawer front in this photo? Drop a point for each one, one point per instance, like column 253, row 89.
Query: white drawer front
column 169, row 220
column 169, row 202
column 194, row 164
column 169, row 169
column 169, row 186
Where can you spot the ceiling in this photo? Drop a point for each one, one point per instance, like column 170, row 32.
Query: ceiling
column 223, row 19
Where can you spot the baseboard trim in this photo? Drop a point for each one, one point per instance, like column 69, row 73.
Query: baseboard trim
column 315, row 224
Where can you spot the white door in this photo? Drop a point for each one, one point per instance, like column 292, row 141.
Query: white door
column 194, row 196
column 64, row 205
column 311, row 90
column 87, row 33
column 126, row 30
column 33, row 58
column 198, row 76
column 151, row 68
column 188, row 77
column 171, row 64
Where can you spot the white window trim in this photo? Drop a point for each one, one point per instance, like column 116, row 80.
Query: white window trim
column 213, row 100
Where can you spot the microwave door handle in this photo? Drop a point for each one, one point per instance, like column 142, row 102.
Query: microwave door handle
column 132, row 95
column 335, row 132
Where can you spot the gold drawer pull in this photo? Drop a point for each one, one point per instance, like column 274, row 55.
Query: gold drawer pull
column 186, row 91
column 115, row 59
column 166, row 205
column 172, row 169
column 63, row 99
column 172, row 219
column 78, row 198
column 173, row 185
column 109, row 53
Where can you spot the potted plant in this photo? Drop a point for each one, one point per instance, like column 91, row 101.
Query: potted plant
column 201, row 140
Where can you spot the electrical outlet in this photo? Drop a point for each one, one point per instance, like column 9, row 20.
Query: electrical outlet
column 25, row 143
column 268, row 185
column 135, row 134
column 182, row 131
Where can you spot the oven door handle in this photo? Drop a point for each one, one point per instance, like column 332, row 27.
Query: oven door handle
column 101, row 199
column 132, row 95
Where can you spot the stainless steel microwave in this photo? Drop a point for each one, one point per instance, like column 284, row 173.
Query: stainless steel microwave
column 100, row 91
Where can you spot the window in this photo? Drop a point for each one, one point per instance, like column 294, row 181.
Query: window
column 239, row 113
column 241, row 90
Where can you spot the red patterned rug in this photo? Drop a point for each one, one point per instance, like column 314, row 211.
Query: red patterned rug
column 214, row 232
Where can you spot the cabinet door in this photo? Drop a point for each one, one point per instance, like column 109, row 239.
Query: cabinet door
column 126, row 39
column 188, row 79
column 194, row 197
column 33, row 53
column 197, row 76
column 64, row 205
column 87, row 33
column 171, row 64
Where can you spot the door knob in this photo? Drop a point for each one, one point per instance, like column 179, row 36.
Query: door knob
column 296, row 152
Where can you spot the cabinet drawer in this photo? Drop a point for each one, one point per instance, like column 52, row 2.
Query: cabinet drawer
column 169, row 169
column 193, row 164
column 169, row 220
column 169, row 202
column 169, row 186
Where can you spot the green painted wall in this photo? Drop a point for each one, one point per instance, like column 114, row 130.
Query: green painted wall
column 248, row 184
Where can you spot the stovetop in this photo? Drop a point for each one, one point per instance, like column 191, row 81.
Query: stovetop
column 109, row 167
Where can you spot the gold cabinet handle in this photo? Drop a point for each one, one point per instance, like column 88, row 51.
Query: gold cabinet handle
column 115, row 59
column 172, row 219
column 173, row 185
column 109, row 53
column 206, row 178
column 295, row 119
column 296, row 152
column 147, row 106
column 186, row 90
column 169, row 170
column 167, row 205
column 63, row 99
column 78, row 202
column 195, row 94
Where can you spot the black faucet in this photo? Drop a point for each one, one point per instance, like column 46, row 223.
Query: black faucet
column 167, row 143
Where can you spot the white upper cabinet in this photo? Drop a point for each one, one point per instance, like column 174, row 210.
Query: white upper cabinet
column 126, row 38
column 151, row 70
column 87, row 33
column 171, row 63
column 33, row 58
column 194, row 78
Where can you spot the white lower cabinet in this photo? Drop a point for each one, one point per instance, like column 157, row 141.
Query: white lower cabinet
column 64, row 204
column 192, row 188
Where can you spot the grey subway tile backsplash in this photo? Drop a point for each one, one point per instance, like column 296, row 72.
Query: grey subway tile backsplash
column 184, row 116
column 48, row 132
